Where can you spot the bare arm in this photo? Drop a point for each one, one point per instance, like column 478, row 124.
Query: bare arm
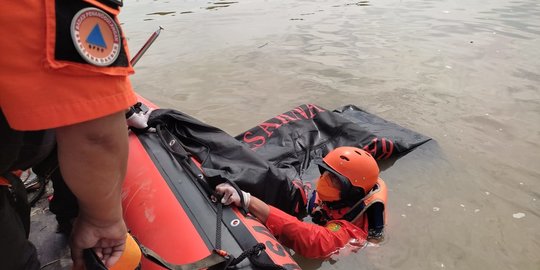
column 93, row 160
column 259, row 209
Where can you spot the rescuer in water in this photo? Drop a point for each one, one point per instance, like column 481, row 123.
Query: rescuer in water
column 347, row 206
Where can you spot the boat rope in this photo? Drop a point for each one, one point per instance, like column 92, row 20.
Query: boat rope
column 219, row 216
column 250, row 253
column 255, row 250
column 175, row 146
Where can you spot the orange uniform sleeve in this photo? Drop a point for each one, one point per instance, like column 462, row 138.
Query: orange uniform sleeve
column 311, row 240
column 45, row 81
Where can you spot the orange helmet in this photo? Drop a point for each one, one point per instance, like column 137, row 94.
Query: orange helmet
column 354, row 167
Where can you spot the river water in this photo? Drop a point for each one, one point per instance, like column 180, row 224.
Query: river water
column 466, row 73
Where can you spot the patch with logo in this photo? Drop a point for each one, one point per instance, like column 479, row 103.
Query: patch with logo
column 333, row 226
column 96, row 36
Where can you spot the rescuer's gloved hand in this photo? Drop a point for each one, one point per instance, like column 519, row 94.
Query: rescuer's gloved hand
column 230, row 195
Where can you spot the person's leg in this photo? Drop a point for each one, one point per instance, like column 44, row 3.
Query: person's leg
column 20, row 150
column 63, row 203
column 16, row 252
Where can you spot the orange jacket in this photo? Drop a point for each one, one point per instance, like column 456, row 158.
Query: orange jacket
column 41, row 89
column 311, row 240
column 315, row 241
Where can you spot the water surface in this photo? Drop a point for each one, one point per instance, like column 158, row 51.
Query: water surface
column 466, row 73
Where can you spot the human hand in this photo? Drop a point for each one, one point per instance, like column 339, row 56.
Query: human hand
column 230, row 195
column 139, row 120
column 107, row 240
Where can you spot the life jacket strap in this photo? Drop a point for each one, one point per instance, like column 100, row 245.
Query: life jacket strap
column 374, row 202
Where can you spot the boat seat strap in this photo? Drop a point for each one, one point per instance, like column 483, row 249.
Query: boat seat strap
column 211, row 260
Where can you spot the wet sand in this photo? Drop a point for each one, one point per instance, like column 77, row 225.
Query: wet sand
column 466, row 74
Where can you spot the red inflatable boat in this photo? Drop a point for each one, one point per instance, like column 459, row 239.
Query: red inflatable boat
column 169, row 211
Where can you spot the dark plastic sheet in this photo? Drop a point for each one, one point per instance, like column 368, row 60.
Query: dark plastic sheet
column 273, row 159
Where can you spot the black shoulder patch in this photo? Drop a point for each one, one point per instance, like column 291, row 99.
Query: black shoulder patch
column 64, row 48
